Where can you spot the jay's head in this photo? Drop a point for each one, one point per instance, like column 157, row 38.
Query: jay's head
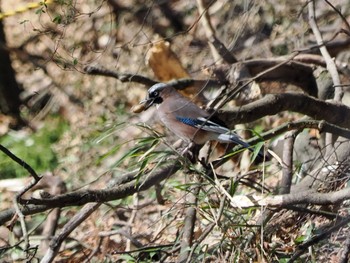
column 156, row 94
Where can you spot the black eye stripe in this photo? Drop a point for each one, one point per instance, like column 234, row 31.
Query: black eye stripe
column 158, row 100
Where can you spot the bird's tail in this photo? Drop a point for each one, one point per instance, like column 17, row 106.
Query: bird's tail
column 229, row 138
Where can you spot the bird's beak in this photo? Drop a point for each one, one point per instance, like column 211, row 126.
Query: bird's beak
column 148, row 102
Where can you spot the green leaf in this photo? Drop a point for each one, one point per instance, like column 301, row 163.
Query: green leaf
column 57, row 19
column 299, row 239
column 40, row 11
column 257, row 149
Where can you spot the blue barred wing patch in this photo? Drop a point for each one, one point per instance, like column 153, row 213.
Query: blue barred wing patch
column 190, row 121
column 203, row 123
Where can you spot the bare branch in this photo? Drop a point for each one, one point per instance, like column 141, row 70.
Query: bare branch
column 287, row 167
column 338, row 94
column 208, row 28
column 346, row 23
column 295, row 198
column 75, row 221
column 217, row 48
column 345, row 253
column 189, row 223
column 123, row 77
column 128, row 77
column 82, row 197
column 274, row 103
column 280, row 70
column 21, row 162
column 322, row 126
column 318, row 237
column 208, row 229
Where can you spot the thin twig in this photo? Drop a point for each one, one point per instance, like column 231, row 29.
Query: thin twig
column 217, row 48
column 95, row 251
column 23, row 226
column 128, row 77
column 73, row 223
column 317, row 238
column 340, row 14
column 158, row 189
column 86, row 211
column 345, row 252
column 189, row 222
column 20, row 214
column 208, row 229
column 131, row 222
column 123, row 77
column 145, row 248
column 20, row 162
column 322, row 126
column 208, row 28
column 331, row 67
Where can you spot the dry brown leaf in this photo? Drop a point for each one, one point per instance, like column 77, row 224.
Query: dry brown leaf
column 164, row 63
column 166, row 66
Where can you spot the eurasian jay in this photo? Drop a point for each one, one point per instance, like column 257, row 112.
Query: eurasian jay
column 184, row 118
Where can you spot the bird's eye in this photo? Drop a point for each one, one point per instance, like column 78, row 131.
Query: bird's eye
column 154, row 94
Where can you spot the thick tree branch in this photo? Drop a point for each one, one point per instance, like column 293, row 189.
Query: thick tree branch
column 282, row 70
column 318, row 60
column 128, row 77
column 33, row 206
column 322, row 126
column 85, row 196
column 309, row 197
column 275, row 103
column 287, row 158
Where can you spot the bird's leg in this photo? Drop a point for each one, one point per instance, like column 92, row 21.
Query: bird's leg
column 187, row 148
column 191, row 152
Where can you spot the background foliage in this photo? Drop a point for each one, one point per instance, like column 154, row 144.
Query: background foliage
column 81, row 133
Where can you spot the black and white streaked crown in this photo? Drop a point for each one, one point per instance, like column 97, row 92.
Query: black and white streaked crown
column 157, row 88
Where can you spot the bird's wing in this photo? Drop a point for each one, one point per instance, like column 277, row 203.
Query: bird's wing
column 203, row 124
